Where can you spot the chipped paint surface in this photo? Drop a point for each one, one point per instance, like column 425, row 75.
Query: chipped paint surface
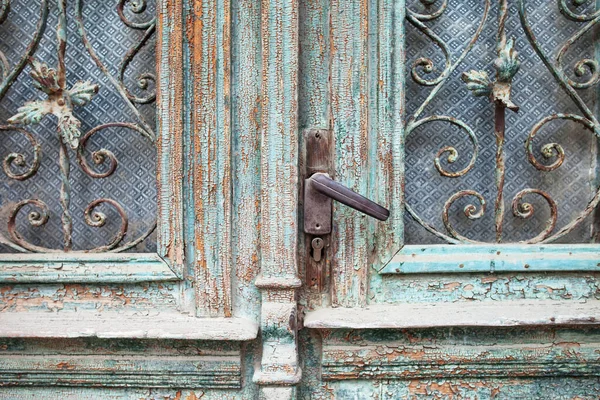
column 246, row 104
column 416, row 344
column 73, row 297
column 486, row 287
column 238, row 81
column 208, row 41
column 278, row 280
column 349, row 34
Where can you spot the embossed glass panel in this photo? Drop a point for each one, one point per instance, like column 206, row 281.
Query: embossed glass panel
column 77, row 126
column 501, row 111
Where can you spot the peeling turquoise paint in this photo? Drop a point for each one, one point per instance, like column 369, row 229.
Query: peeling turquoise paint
column 238, row 82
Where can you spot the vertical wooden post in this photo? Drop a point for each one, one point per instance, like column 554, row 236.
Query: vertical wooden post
column 387, row 127
column 350, row 124
column 279, row 199
column 245, row 124
column 169, row 101
column 211, row 151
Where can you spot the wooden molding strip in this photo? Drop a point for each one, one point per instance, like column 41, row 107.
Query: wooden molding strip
column 554, row 354
column 124, row 325
column 415, row 259
column 84, row 268
column 428, row 315
column 171, row 133
column 114, row 370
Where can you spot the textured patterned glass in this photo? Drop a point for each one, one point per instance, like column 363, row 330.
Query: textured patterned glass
column 109, row 93
column 536, row 92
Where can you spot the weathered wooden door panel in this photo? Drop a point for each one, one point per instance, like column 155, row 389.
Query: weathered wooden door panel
column 411, row 308
column 229, row 301
column 161, row 324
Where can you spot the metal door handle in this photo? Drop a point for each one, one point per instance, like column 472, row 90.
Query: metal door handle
column 323, row 184
column 320, row 189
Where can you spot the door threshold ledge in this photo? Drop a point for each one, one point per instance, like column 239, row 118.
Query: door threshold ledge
column 124, row 325
column 459, row 314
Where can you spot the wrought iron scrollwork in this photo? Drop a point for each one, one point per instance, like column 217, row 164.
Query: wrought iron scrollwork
column 586, row 74
column 61, row 102
column 145, row 80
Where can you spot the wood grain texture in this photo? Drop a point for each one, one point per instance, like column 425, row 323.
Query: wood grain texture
column 386, row 163
column 313, row 65
column 140, row 297
column 246, row 104
column 389, row 346
column 209, row 28
column 571, row 388
column 279, row 139
column 461, row 353
column 122, row 371
column 120, row 363
column 494, row 258
column 278, row 280
column 88, row 393
column 454, row 288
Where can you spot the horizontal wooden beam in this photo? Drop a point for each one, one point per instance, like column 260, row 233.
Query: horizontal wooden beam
column 461, row 353
column 429, row 315
column 84, row 268
column 111, row 325
column 415, row 259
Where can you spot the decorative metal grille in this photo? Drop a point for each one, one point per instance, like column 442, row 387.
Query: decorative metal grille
column 77, row 125
column 521, row 88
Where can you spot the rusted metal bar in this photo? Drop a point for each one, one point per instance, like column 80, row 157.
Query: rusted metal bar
column 500, row 128
column 499, row 131
column 65, row 197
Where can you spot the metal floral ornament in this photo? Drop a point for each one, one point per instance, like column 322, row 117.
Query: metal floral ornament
column 59, row 103
column 506, row 65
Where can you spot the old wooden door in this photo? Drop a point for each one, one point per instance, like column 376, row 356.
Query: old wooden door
column 153, row 214
column 475, row 123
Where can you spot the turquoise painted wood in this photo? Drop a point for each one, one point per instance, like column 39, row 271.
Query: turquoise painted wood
column 228, row 309
column 415, row 259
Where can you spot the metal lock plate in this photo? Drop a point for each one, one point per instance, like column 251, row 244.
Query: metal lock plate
column 317, row 206
column 317, row 211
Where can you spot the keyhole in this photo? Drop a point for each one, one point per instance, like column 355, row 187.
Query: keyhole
column 317, row 246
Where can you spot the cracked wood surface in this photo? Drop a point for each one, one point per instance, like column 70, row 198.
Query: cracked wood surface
column 233, row 93
column 461, row 353
column 208, row 40
column 278, row 280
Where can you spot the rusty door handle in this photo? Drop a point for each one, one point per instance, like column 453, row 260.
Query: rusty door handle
column 323, row 184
